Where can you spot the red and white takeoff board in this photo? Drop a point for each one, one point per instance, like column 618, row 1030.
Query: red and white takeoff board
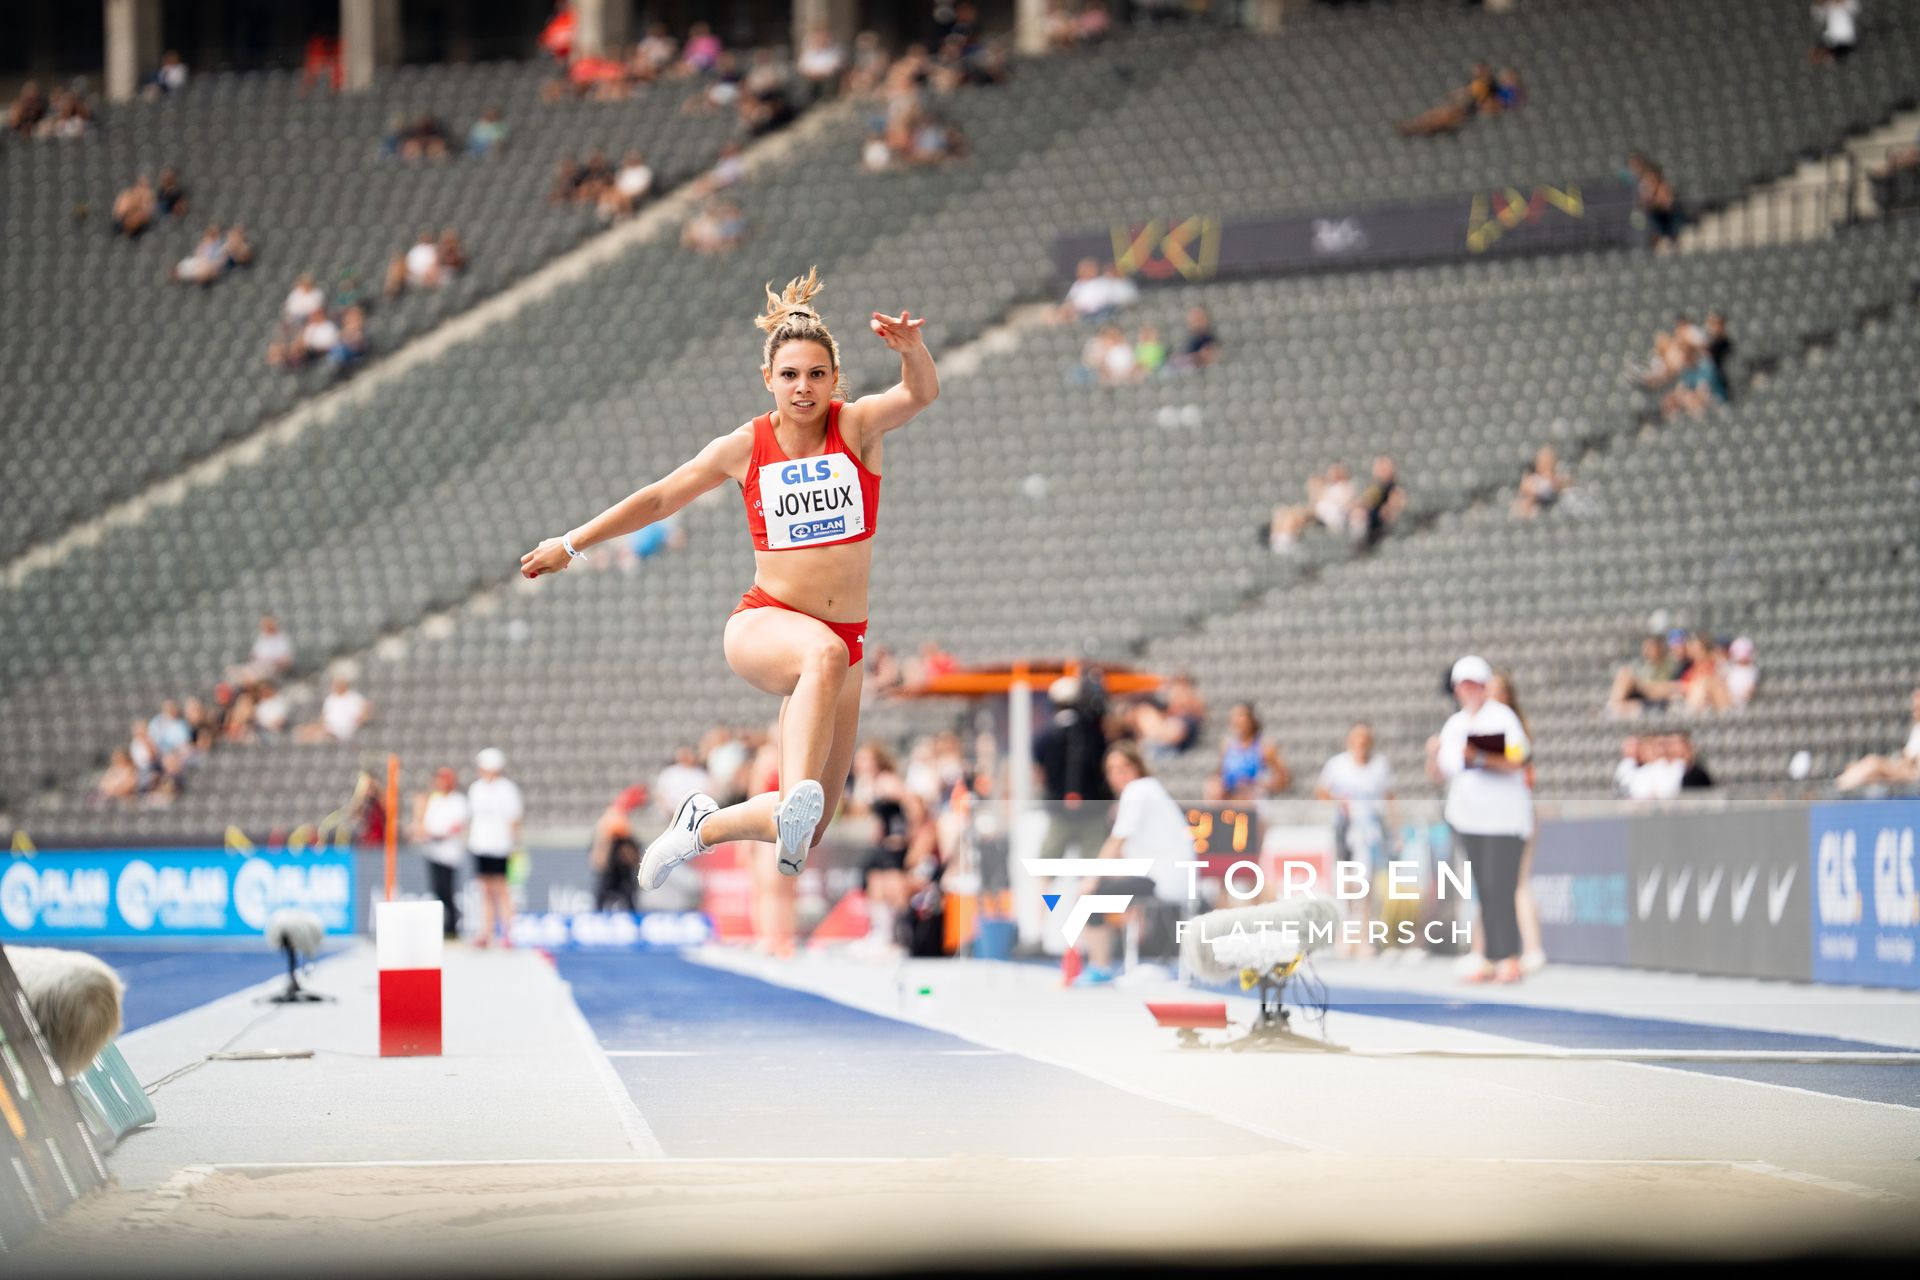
column 407, row 940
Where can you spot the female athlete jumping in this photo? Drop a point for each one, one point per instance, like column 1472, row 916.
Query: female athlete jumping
column 810, row 474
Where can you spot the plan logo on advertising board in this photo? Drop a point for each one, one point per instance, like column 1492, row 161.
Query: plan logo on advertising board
column 324, row 888
column 36, row 892
column 171, row 896
column 1866, row 918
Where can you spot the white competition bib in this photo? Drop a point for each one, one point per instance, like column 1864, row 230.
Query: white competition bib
column 810, row 502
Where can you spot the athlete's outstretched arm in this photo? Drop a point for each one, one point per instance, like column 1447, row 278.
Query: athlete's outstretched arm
column 919, row 384
column 722, row 460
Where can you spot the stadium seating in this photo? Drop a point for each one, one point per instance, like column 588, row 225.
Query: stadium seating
column 305, row 176
column 1145, row 519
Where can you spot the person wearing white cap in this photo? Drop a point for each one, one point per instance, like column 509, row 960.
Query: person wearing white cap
column 1483, row 752
column 493, row 829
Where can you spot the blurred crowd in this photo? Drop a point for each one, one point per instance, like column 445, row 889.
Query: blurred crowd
column 249, row 704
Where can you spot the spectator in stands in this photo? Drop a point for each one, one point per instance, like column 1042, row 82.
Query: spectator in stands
column 1887, row 771
column 1541, row 484
column 718, row 228
column 453, row 254
column 649, row 541
column 821, row 64
column 272, row 652
column 1719, row 347
column 168, row 730
column 614, row 855
column 1331, row 502
column 654, row 55
column 1839, row 22
column 1095, row 295
column 271, row 710
column 1704, row 684
column 875, row 155
column 1655, row 200
column 1107, row 358
column 1699, row 386
column 487, row 134
column 1171, row 727
column 1693, row 771
column 1483, row 754
column 28, row 110
column 1479, row 96
column 319, row 337
column 208, row 261
column 237, row 724
column 631, row 183
column 343, row 713
column 202, row 725
column 868, row 68
column 567, row 180
column 418, row 268
column 439, row 828
column 683, row 776
column 120, row 781
column 1379, row 505
column 494, row 815
column 1251, row 767
column 1648, row 684
column 352, row 345
column 303, row 300
column 170, row 77
column 321, row 63
column 170, row 194
column 1149, row 352
column 133, row 208
column 1200, row 348
column 1742, row 672
column 68, row 117
column 425, row 137
column 701, row 54
column 237, row 248
column 728, row 168
column 877, row 793
column 1509, row 94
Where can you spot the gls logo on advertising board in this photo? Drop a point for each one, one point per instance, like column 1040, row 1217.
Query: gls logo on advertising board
column 1840, row 901
column 1895, row 901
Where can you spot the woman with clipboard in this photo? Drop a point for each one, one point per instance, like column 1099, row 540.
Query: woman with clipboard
column 1483, row 754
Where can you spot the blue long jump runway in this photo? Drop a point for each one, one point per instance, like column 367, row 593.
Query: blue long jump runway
column 1898, row 1084
column 739, row 1068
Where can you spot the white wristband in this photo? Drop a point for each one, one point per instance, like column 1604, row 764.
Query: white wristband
column 566, row 541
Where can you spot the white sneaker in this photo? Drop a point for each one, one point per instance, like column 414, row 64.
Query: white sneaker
column 798, row 815
column 680, row 841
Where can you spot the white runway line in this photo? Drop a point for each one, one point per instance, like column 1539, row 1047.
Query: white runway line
column 562, row 1162
column 1770, row 1170
column 639, row 1133
column 1765, row 1168
column 1821, row 1057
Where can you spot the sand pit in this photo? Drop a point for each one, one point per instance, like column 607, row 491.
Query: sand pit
column 665, row 1215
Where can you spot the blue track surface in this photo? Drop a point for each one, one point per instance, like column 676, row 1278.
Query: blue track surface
column 1581, row 1029
column 161, row 984
column 766, row 1071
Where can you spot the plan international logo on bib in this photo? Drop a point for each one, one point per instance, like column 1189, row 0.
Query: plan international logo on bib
column 811, row 500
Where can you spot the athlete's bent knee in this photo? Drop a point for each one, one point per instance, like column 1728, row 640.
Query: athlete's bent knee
column 826, row 658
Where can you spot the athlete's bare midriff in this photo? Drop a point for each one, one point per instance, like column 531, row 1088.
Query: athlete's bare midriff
column 828, row 582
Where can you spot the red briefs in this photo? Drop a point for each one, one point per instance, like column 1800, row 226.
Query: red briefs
column 852, row 634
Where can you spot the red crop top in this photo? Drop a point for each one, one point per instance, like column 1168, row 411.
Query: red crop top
column 815, row 501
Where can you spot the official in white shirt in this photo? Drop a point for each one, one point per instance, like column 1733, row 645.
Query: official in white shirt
column 1489, row 808
column 1147, row 823
column 493, row 830
column 440, row 829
